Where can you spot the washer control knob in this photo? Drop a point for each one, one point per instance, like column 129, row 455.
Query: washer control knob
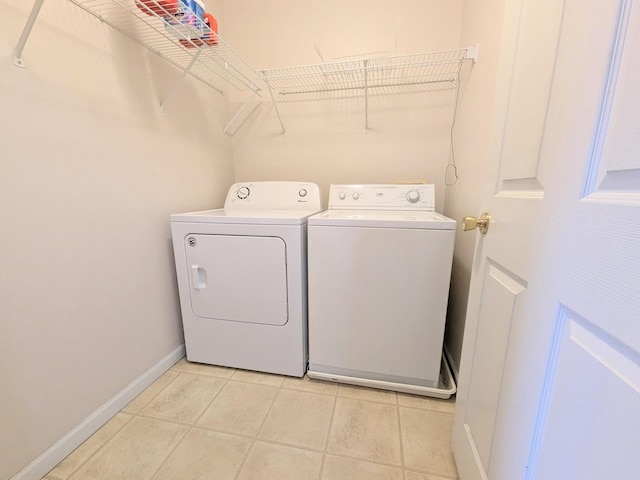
column 302, row 192
column 413, row 196
column 243, row 192
column 355, row 195
column 342, row 195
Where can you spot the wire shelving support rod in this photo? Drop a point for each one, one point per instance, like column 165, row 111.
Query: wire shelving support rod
column 185, row 72
column 17, row 52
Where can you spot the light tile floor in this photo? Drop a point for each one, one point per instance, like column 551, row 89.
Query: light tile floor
column 206, row 422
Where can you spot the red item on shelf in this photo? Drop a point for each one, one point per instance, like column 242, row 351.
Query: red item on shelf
column 211, row 38
column 160, row 8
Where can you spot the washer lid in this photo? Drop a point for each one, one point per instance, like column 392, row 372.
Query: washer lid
column 246, row 216
column 383, row 219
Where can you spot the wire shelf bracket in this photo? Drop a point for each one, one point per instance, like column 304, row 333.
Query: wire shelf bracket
column 239, row 112
column 185, row 72
column 18, row 61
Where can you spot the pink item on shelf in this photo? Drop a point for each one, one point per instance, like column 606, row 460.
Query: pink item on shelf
column 211, row 38
column 188, row 22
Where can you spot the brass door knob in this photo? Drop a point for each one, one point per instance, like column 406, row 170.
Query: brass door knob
column 471, row 223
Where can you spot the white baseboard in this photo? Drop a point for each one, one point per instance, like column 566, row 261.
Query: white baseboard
column 67, row 444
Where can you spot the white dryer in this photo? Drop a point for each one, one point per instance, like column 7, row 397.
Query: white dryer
column 242, row 277
column 379, row 272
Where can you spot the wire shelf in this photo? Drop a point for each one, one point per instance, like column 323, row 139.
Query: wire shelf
column 387, row 74
column 392, row 71
column 218, row 65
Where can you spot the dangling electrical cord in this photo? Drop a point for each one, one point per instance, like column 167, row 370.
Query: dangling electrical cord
column 451, row 166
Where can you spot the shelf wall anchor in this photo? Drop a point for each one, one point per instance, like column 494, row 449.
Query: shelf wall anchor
column 472, row 53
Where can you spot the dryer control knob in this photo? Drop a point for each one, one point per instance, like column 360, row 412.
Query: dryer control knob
column 303, row 192
column 413, row 196
column 355, row 195
column 243, row 192
column 342, row 195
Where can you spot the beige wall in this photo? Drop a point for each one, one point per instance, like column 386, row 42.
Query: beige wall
column 325, row 142
column 481, row 23
column 89, row 172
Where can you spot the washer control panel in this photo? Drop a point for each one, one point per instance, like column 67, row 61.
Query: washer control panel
column 274, row 195
column 383, row 197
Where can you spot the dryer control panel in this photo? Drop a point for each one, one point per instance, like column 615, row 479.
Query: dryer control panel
column 274, row 195
column 383, row 197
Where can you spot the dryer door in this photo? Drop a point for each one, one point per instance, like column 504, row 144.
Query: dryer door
column 238, row 278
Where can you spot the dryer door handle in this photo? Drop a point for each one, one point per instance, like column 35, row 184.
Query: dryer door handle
column 198, row 277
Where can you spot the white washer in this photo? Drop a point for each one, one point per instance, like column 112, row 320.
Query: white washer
column 379, row 271
column 242, row 277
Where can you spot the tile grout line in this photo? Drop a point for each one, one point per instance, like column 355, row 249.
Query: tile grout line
column 326, row 442
column 257, row 435
column 191, row 426
column 226, row 382
column 341, row 455
column 100, row 448
column 288, row 445
column 177, row 372
column 244, row 460
column 404, row 471
column 428, row 472
column 366, row 460
column 439, row 476
column 139, row 414
column 178, row 422
column 132, row 415
column 170, row 453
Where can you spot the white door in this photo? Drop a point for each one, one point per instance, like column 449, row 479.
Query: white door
column 549, row 385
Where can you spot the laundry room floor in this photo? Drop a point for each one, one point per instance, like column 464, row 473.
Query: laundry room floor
column 207, row 422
